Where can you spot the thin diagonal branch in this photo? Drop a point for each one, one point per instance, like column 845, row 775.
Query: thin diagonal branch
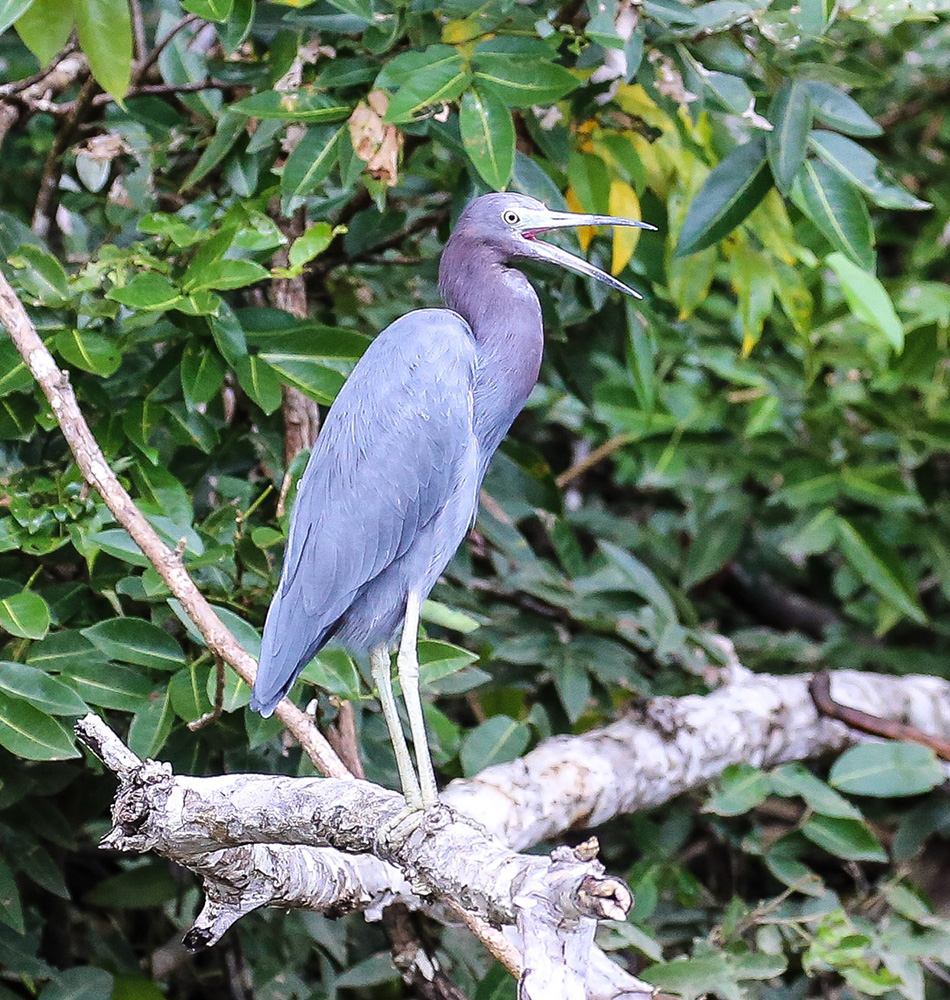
column 96, row 471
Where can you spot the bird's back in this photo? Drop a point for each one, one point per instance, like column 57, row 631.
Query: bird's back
column 393, row 476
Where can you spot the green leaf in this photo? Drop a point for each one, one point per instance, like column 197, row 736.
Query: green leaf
column 438, row 660
column 863, row 170
column 488, row 133
column 868, row 299
column 741, row 788
column 149, row 292
column 310, row 162
column 83, row 982
column 716, row 542
column 590, row 180
column 887, row 770
column 134, row 640
column 259, row 381
column 305, row 105
column 30, row 733
column 151, row 725
column 188, row 692
column 439, row 76
column 45, row 27
column 879, row 566
column 334, row 671
column 837, row 110
column 105, row 34
column 10, row 10
column 202, row 373
column 733, row 188
column 310, row 244
column 39, row 689
column 109, row 685
column 838, row 210
column 845, row 838
column 41, row 274
column 223, row 274
column 796, row 779
column 25, row 615
column 231, row 126
column 59, row 649
column 498, row 740
column 88, row 350
column 520, row 82
column 794, row 874
column 790, row 114
column 210, row 10
column 14, row 375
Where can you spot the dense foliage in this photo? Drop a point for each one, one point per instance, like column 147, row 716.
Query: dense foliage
column 758, row 449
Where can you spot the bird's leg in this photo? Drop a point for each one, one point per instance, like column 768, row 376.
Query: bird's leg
column 380, row 667
column 407, row 662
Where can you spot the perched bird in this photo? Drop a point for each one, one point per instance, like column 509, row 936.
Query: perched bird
column 392, row 485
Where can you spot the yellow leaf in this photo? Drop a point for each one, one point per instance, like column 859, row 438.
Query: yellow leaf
column 584, row 233
column 748, row 342
column 623, row 202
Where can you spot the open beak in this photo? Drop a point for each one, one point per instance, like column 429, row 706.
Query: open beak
column 543, row 222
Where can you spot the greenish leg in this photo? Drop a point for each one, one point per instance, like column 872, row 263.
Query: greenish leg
column 408, row 665
column 379, row 667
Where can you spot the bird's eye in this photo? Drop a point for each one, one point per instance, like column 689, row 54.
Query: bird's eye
column 510, row 218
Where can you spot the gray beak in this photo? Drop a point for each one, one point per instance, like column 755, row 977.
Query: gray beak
column 568, row 220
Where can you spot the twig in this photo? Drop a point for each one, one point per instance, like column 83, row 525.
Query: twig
column 591, row 459
column 160, row 45
column 96, row 471
column 216, row 708
column 138, row 29
column 164, row 88
column 820, row 690
column 19, row 86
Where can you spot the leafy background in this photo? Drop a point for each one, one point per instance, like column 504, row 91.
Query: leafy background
column 759, row 448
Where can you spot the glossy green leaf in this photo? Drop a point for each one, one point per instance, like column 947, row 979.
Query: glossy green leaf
column 310, row 244
column 30, row 733
column 741, row 788
column 10, row 10
column 868, row 299
column 845, row 838
column 134, row 640
column 11, row 908
column 14, row 375
column 796, row 780
column 879, row 566
column 144, row 887
column 887, row 770
column 790, row 114
column 717, row 541
column 45, row 27
column 109, row 685
column 334, row 671
column 260, row 382
column 105, row 34
column 148, row 291
column 151, row 725
column 488, row 133
column 41, row 275
column 498, row 740
column 441, row 77
column 733, row 188
column 83, row 982
column 210, row 10
column 223, row 274
column 46, row 693
column 838, row 210
column 834, row 108
column 795, row 874
column 520, row 82
column 188, row 692
column 305, row 105
column 25, row 615
column 231, row 126
column 863, row 170
column 89, row 350
column 202, row 373
column 310, row 161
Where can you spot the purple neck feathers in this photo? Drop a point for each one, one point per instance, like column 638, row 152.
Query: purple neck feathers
column 503, row 311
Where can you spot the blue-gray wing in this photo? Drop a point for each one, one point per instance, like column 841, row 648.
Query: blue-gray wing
column 392, row 451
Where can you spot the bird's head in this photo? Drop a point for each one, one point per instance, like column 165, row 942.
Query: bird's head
column 512, row 223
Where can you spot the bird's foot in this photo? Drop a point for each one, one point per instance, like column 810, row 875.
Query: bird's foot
column 412, row 819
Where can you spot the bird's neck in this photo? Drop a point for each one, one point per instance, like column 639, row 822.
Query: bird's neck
column 504, row 313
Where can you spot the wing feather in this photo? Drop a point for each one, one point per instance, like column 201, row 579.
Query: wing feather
column 388, row 458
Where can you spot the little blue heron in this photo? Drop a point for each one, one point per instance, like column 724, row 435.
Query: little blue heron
column 392, row 485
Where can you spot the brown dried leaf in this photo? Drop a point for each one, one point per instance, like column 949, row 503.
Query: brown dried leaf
column 376, row 144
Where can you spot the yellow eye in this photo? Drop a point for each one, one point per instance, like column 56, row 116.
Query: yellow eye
column 510, row 218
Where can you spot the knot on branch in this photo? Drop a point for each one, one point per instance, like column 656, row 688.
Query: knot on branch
column 142, row 791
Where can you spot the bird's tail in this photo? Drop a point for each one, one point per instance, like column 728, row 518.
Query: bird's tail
column 286, row 648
